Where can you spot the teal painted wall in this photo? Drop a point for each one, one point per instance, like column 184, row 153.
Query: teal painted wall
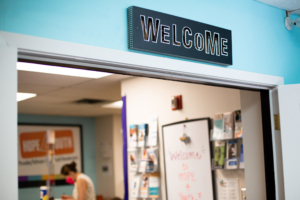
column 261, row 43
column 88, row 131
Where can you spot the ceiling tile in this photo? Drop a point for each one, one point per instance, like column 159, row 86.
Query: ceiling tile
column 93, row 113
column 43, row 79
column 102, row 83
column 41, row 109
column 44, row 99
column 112, row 92
column 56, row 94
column 66, row 110
column 37, row 89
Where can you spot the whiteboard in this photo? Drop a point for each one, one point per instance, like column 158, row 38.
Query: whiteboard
column 188, row 166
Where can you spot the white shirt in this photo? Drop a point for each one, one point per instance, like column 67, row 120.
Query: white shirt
column 90, row 192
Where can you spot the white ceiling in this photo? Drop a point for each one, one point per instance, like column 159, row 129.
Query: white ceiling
column 56, row 94
column 288, row 5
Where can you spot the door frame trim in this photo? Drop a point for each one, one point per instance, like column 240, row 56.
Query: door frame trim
column 49, row 50
column 138, row 64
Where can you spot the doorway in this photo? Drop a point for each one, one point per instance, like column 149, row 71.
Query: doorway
column 79, row 96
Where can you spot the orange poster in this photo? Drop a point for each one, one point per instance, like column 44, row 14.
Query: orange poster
column 34, row 144
column 33, row 162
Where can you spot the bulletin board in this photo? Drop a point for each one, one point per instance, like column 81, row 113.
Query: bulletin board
column 188, row 171
column 32, row 152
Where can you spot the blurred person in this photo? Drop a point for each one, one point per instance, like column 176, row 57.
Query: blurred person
column 83, row 185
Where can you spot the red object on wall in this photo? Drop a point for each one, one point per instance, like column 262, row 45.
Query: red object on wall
column 176, row 102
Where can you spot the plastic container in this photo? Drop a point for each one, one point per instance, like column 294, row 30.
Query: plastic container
column 43, row 193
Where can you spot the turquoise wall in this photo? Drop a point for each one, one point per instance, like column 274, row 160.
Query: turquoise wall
column 88, row 131
column 261, row 43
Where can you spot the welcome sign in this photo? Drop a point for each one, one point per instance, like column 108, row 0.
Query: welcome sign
column 161, row 33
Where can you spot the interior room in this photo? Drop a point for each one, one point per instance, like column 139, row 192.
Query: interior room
column 96, row 106
column 169, row 103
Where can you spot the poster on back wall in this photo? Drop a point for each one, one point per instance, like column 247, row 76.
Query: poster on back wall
column 32, row 153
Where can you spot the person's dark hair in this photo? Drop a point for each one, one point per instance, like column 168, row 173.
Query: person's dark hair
column 68, row 168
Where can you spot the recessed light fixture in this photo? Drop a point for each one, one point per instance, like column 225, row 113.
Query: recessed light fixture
column 32, row 67
column 22, row 96
column 116, row 104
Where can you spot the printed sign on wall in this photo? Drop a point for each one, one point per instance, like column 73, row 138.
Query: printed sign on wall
column 161, row 33
column 32, row 152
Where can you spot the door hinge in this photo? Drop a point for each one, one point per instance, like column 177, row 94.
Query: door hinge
column 277, row 122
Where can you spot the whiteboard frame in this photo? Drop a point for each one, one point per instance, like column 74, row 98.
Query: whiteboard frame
column 210, row 148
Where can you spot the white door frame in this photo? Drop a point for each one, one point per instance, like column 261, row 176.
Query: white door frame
column 135, row 63
column 8, row 122
column 97, row 58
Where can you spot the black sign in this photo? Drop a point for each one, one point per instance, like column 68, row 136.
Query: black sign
column 170, row 35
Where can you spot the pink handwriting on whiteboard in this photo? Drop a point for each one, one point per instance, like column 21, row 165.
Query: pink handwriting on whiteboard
column 187, row 176
column 189, row 196
column 179, row 155
column 185, row 166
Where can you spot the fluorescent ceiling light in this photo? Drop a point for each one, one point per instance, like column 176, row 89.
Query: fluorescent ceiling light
column 116, row 104
column 23, row 96
column 32, row 67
